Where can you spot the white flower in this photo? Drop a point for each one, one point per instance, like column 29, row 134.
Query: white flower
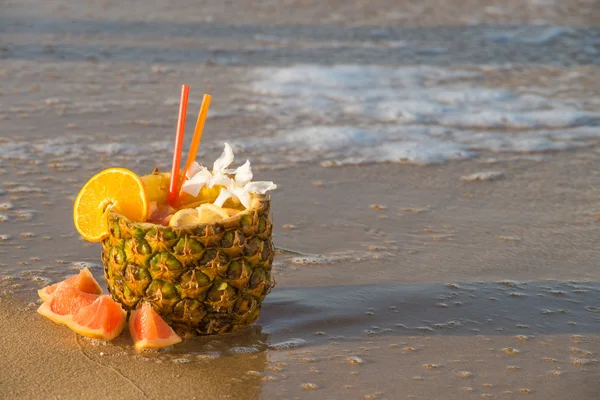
column 242, row 186
column 199, row 176
column 239, row 188
column 224, row 161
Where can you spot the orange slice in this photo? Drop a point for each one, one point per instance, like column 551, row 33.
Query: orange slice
column 149, row 331
column 113, row 187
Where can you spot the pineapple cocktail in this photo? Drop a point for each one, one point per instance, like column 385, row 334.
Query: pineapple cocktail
column 194, row 244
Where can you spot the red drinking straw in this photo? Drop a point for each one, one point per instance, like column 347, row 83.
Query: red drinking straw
column 174, row 184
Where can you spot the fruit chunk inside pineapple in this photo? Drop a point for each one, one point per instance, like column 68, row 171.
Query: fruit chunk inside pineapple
column 192, row 209
column 206, row 195
column 157, row 186
column 205, row 214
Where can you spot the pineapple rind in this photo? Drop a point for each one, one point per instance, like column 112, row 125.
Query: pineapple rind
column 202, row 280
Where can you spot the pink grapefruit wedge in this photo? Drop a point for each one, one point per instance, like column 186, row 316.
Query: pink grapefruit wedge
column 104, row 319
column 83, row 281
column 64, row 303
column 149, row 331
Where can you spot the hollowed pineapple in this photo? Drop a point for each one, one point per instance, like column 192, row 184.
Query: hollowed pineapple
column 205, row 279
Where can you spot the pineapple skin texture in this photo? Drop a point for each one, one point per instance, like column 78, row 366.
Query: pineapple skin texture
column 204, row 280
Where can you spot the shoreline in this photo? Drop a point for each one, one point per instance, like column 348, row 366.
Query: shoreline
column 458, row 280
column 374, row 291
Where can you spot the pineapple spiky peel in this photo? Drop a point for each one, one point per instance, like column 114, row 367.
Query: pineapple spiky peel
column 205, row 279
column 209, row 271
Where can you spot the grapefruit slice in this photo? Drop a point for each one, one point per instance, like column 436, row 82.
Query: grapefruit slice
column 113, row 187
column 204, row 214
column 104, row 319
column 209, row 213
column 65, row 302
column 149, row 331
column 83, row 281
column 185, row 217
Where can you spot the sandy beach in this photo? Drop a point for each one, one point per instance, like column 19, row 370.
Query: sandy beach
column 437, row 209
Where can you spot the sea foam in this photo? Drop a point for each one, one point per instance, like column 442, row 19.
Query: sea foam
column 355, row 114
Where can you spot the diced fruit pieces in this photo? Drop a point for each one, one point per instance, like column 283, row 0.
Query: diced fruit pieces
column 113, row 187
column 83, row 281
column 104, row 319
column 158, row 212
column 157, row 186
column 206, row 195
column 149, row 331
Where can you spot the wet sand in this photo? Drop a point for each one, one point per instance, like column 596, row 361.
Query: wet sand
column 400, row 281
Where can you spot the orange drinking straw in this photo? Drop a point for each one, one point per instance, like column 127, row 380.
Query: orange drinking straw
column 174, row 184
column 197, row 133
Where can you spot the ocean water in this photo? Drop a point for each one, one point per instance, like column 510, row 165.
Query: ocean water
column 417, row 114
column 354, row 114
